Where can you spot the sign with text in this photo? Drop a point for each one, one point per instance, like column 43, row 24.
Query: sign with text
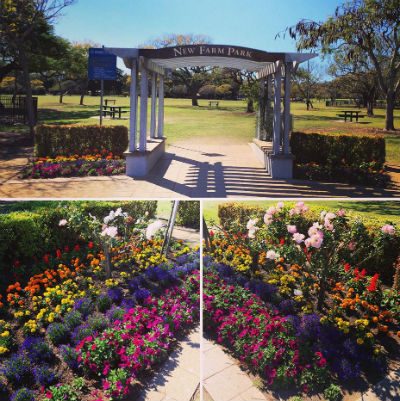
column 102, row 65
column 211, row 51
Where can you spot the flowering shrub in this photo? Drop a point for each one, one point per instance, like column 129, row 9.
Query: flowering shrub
column 308, row 280
column 61, row 306
column 260, row 337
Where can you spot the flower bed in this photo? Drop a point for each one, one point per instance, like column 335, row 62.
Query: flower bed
column 73, row 332
column 291, row 299
column 100, row 164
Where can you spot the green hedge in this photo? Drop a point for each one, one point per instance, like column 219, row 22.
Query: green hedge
column 189, row 214
column 66, row 140
column 338, row 150
column 234, row 215
column 26, row 234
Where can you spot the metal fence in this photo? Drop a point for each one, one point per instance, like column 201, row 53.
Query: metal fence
column 13, row 109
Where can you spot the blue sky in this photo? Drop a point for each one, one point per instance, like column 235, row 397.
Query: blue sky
column 129, row 23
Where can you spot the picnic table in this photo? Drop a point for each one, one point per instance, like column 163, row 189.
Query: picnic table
column 351, row 114
column 113, row 111
column 211, row 102
column 107, row 101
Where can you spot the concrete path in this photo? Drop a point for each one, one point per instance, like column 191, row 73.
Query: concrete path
column 179, row 377
column 223, row 379
column 191, row 169
column 386, row 390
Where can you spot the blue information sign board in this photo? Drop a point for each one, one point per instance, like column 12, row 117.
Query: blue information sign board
column 102, row 65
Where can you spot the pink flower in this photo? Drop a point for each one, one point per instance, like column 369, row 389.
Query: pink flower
column 63, row 222
column 110, row 232
column 341, row 213
column 388, row 229
column 280, row 205
column 291, row 229
column 299, row 238
column 272, row 255
column 316, row 241
column 268, row 219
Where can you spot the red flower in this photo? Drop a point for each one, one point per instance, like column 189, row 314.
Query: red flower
column 363, row 273
column 58, row 254
column 49, row 395
column 282, row 241
column 373, row 284
column 347, row 267
column 90, row 245
column 17, row 264
column 211, row 233
column 77, row 247
column 66, row 248
column 46, row 259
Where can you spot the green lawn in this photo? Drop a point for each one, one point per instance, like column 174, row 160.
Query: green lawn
column 372, row 213
column 182, row 121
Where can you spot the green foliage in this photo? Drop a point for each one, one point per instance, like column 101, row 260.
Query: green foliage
column 333, row 393
column 67, row 140
column 189, row 214
column 58, row 333
column 31, row 233
column 337, row 150
column 70, row 392
column 236, row 214
column 103, row 303
column 23, row 394
column 377, row 252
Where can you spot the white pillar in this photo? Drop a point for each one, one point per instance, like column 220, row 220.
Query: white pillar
column 153, row 105
column 277, row 110
column 133, row 107
column 160, row 130
column 143, row 109
column 286, row 126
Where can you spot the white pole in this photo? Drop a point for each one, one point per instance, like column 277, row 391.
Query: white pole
column 101, row 101
column 277, row 110
column 143, row 109
column 153, row 105
column 286, row 127
column 160, row 130
column 133, row 105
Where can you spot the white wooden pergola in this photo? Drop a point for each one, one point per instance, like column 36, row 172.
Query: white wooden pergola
column 147, row 144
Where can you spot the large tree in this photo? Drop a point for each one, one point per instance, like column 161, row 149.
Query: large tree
column 21, row 24
column 372, row 26
column 358, row 78
column 192, row 77
column 306, row 81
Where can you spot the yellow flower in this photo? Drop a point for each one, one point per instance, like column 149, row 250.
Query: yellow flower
column 3, row 350
column 5, row 334
column 360, row 341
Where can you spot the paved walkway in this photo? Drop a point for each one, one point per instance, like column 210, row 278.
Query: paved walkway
column 191, row 169
column 386, row 390
column 179, row 377
column 223, row 378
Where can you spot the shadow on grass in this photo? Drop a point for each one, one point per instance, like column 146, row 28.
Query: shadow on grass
column 64, row 117
column 311, row 117
column 391, row 208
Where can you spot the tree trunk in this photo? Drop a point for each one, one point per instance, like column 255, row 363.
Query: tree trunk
column 61, row 97
column 389, row 122
column 107, row 261
column 321, row 295
column 194, row 100
column 250, row 106
column 28, row 91
column 82, row 97
column 370, row 108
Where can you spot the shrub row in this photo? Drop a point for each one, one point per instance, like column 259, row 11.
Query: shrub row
column 31, row 233
column 338, row 150
column 189, row 214
column 67, row 140
column 233, row 217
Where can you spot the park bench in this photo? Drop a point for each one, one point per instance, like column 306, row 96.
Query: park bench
column 350, row 114
column 113, row 111
column 211, row 103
